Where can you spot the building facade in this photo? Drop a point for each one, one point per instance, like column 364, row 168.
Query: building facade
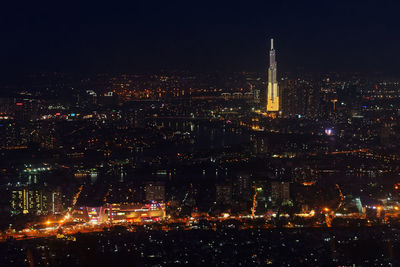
column 35, row 201
column 155, row 191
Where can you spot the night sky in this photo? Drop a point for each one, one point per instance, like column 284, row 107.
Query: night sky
column 310, row 36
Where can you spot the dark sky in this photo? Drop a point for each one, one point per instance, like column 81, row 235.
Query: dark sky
column 200, row 35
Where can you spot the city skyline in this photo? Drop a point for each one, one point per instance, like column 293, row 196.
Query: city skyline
column 165, row 133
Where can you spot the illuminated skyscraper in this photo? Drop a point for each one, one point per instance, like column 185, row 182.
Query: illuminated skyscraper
column 273, row 91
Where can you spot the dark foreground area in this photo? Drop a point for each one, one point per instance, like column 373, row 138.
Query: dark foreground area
column 366, row 246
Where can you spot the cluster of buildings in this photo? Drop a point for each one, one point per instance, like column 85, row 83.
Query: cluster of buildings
column 37, row 201
column 239, row 143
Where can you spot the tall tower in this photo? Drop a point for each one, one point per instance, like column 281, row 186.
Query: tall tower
column 273, row 91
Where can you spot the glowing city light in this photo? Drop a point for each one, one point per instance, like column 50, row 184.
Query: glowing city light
column 328, row 131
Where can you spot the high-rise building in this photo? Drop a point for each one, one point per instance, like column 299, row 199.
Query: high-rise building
column 280, row 192
column 273, row 90
column 300, row 97
column 223, row 194
column 37, row 201
column 155, row 191
column 260, row 196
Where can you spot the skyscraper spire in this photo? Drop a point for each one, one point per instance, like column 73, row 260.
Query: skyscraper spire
column 272, row 44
